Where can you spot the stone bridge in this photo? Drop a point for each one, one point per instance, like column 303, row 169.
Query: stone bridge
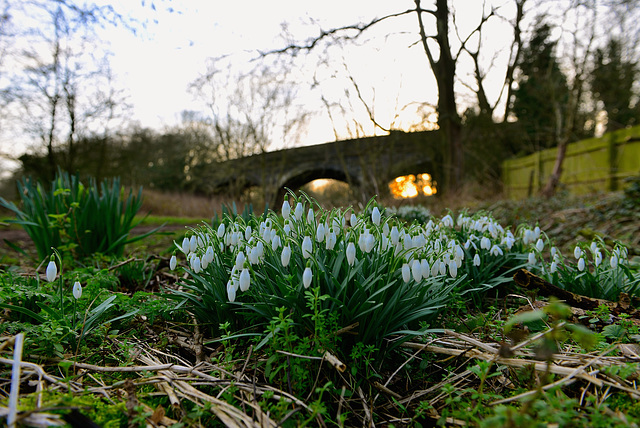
column 367, row 164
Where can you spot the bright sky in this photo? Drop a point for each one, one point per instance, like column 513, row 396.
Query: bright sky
column 157, row 66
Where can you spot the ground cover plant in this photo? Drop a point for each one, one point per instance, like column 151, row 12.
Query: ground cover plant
column 315, row 317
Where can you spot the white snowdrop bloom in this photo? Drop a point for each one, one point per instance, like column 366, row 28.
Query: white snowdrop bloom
column 406, row 272
column 613, row 262
column 209, row 254
column 536, row 232
column 286, row 209
column 320, row 233
column 442, row 268
column 458, row 262
column 476, row 260
column 424, row 267
column 253, row 256
column 285, row 256
column 375, row 216
column 447, row 221
column 509, row 240
column 492, row 230
column 235, row 238
column 331, row 241
column 275, row 242
column 260, row 247
column 459, row 252
column 173, row 262
column 539, row 244
column 240, row 258
column 624, row 253
column 577, row 252
column 581, row 264
column 435, row 268
column 200, row 242
column 307, row 276
column 532, row 258
column 416, row 270
column 193, row 244
column 272, row 234
column 453, row 269
column 361, row 243
column 307, row 247
column 408, row 242
column 245, row 279
column 77, row 290
column 528, row 237
column 384, row 242
column 204, row 262
column 186, row 246
column 351, row 253
column 353, row 220
column 485, row 243
column 593, row 247
column 231, row 291
column 311, row 216
column 247, row 233
column 553, row 251
column 195, row 264
column 394, row 235
column 287, row 229
column 554, row 267
column 597, row 258
column 385, row 229
column 496, row 251
column 369, row 243
column 467, row 244
column 298, row 211
column 52, row 271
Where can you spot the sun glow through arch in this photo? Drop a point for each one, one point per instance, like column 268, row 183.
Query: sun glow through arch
column 410, row 186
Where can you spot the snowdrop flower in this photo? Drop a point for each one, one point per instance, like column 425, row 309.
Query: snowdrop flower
column 247, row 233
column 298, row 212
column 442, row 268
column 416, row 270
column 528, row 237
column 406, row 272
column 532, row 258
column 307, row 247
column 369, row 243
column 204, row 262
column 186, row 246
column 394, row 235
column 476, row 260
column 52, row 270
column 195, row 264
column 539, row 245
column 231, row 291
column 307, row 276
column 310, row 216
column 240, row 258
column 536, row 232
column 496, row 251
column 577, row 252
column 375, row 216
column 173, row 262
column 245, row 279
column 553, row 252
column 77, row 290
column 351, row 253
column 253, row 256
column 435, row 268
column 554, row 267
column 285, row 256
column 287, row 229
column 221, row 230
column 593, row 247
column 385, row 229
column 613, row 262
column 286, row 209
column 275, row 242
column 353, row 220
column 320, row 232
column 424, row 267
column 447, row 221
column 331, row 241
column 485, row 243
column 453, row 269
column 581, row 264
column 193, row 244
column 597, row 258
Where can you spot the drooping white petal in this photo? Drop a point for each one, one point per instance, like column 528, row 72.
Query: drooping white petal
column 453, row 269
column 245, row 279
column 320, row 232
column 173, row 262
column 406, row 272
column 298, row 211
column 307, row 247
column 240, row 258
column 285, row 256
column 476, row 260
column 581, row 264
column 52, row 271
column 613, row 262
column 539, row 244
column 77, row 290
column 286, row 209
column 375, row 216
column 531, row 258
column 307, row 276
column 351, row 253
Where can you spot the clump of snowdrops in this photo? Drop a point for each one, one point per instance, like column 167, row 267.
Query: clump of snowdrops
column 382, row 279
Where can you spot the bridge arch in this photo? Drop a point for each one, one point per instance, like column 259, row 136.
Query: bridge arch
column 299, row 178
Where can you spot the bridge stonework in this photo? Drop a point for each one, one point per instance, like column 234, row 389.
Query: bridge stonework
column 367, row 164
